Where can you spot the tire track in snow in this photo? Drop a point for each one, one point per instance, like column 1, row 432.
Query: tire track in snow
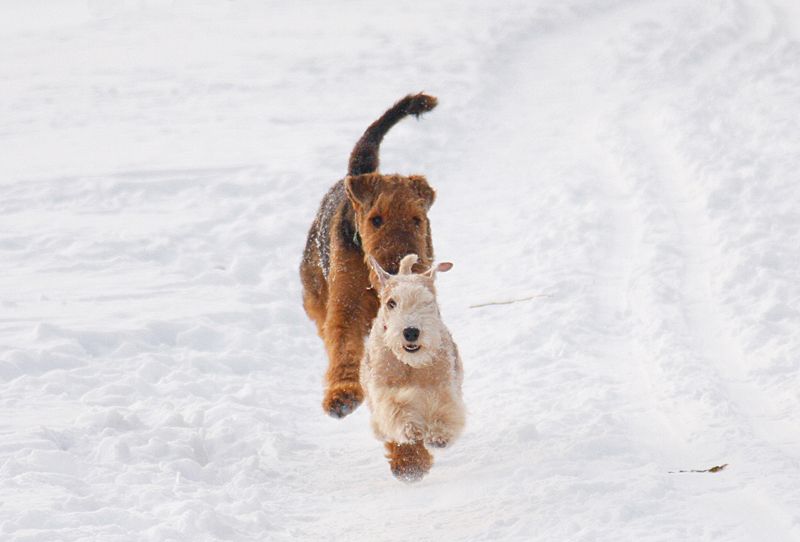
column 557, row 211
column 649, row 293
column 695, row 373
column 700, row 369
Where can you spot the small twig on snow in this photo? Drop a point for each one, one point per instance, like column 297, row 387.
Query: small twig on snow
column 510, row 301
column 712, row 469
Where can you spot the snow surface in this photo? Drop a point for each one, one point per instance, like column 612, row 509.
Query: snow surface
column 634, row 165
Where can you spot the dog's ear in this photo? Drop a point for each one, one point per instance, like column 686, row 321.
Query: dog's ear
column 439, row 268
column 360, row 189
column 423, row 189
column 407, row 263
column 383, row 276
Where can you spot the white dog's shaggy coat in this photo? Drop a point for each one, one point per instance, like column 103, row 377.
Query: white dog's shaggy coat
column 412, row 387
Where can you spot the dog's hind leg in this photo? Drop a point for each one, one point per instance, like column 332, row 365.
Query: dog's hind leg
column 312, row 276
column 409, row 462
column 314, row 302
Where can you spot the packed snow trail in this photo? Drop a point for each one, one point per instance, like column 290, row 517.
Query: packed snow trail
column 631, row 167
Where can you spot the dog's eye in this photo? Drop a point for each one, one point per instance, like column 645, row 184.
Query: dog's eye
column 417, row 221
column 391, row 303
column 377, row 221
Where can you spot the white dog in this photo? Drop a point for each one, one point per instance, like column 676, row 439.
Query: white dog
column 411, row 372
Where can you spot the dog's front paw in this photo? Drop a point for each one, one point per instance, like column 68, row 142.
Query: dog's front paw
column 437, row 441
column 412, row 432
column 439, row 435
column 342, row 398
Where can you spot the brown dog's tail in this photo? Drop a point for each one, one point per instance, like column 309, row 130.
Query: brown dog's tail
column 364, row 158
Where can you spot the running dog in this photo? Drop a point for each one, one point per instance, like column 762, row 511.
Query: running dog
column 365, row 214
column 411, row 372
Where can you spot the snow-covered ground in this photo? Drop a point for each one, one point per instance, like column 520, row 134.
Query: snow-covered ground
column 635, row 166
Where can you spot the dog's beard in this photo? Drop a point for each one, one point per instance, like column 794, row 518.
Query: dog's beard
column 421, row 358
column 429, row 342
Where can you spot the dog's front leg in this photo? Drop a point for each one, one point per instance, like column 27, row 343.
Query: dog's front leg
column 394, row 417
column 351, row 309
column 344, row 341
column 446, row 422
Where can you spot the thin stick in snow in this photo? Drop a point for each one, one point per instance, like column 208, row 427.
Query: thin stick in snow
column 712, row 469
column 510, row 301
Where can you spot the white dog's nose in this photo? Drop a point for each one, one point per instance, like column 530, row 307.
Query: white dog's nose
column 411, row 334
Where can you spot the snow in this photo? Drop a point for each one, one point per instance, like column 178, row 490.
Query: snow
column 632, row 165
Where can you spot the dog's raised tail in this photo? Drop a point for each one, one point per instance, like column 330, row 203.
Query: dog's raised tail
column 364, row 158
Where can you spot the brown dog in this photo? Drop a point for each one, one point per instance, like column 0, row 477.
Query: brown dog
column 365, row 214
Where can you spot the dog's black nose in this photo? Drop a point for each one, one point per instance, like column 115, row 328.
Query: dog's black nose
column 411, row 334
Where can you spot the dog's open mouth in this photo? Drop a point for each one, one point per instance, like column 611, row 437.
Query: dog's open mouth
column 411, row 347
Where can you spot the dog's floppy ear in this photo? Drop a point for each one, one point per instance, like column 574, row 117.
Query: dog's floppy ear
column 423, row 189
column 360, row 189
column 439, row 268
column 383, row 276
